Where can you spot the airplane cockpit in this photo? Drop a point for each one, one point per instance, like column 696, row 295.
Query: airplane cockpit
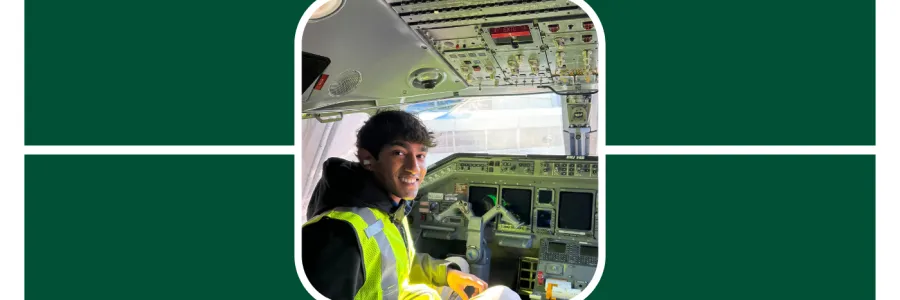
column 510, row 88
column 527, row 222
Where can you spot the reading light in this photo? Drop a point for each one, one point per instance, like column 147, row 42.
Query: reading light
column 327, row 9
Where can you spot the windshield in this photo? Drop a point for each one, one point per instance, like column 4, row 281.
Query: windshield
column 530, row 124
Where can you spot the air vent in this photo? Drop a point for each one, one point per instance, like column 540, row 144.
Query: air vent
column 426, row 78
column 345, row 83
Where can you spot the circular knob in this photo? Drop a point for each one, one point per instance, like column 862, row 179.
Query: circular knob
column 472, row 254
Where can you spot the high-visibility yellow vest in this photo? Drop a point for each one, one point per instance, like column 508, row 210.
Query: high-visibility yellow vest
column 386, row 257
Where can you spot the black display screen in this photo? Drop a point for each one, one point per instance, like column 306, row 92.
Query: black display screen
column 518, row 202
column 544, row 219
column 545, row 197
column 576, row 210
column 478, row 197
column 557, row 247
column 589, row 251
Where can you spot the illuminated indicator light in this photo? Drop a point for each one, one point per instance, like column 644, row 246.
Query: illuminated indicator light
column 554, row 28
column 588, row 25
column 510, row 31
column 540, row 277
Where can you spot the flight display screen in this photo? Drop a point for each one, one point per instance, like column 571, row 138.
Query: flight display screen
column 576, row 210
column 518, row 202
column 557, row 247
column 545, row 197
column 589, row 251
column 478, row 197
column 544, row 219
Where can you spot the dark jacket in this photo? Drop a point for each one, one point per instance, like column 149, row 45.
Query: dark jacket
column 331, row 257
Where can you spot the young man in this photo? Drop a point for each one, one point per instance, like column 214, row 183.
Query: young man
column 356, row 244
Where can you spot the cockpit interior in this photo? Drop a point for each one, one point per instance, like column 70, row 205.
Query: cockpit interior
column 519, row 204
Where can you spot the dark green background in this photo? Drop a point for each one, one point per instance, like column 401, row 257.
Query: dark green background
column 196, row 72
column 214, row 72
column 795, row 72
column 160, row 227
column 739, row 227
column 221, row 72
column 678, row 227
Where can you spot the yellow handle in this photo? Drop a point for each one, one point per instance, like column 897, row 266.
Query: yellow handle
column 550, row 291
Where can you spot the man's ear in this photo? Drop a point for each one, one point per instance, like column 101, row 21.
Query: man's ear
column 365, row 158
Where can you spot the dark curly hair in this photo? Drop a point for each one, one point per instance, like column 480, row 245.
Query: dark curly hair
column 388, row 126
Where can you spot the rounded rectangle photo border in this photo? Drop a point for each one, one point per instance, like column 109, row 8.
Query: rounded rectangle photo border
column 600, row 104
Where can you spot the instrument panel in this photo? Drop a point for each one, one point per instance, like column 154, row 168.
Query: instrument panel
column 550, row 195
column 552, row 201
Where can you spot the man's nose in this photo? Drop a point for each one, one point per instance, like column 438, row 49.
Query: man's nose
column 411, row 164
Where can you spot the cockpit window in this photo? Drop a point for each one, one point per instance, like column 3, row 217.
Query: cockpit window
column 530, row 124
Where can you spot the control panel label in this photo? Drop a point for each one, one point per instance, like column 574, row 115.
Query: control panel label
column 461, row 188
column 435, row 196
column 574, row 157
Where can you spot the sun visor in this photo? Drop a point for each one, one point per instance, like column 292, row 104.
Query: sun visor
column 313, row 67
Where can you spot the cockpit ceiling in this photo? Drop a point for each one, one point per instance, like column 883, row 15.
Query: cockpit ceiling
column 390, row 52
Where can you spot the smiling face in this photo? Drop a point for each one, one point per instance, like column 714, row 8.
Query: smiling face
column 393, row 144
column 400, row 168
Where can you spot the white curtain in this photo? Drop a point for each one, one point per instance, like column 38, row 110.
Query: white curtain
column 325, row 140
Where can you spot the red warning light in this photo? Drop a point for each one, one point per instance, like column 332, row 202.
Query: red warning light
column 510, row 31
column 588, row 25
column 554, row 27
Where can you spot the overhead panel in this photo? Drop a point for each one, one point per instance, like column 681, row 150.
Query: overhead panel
column 393, row 52
column 528, row 42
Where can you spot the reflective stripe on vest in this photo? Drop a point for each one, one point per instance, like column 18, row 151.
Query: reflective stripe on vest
column 382, row 248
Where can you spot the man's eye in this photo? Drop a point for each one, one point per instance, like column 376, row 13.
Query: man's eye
column 420, row 156
column 398, row 153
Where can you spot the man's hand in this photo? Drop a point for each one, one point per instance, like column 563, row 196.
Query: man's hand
column 458, row 281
